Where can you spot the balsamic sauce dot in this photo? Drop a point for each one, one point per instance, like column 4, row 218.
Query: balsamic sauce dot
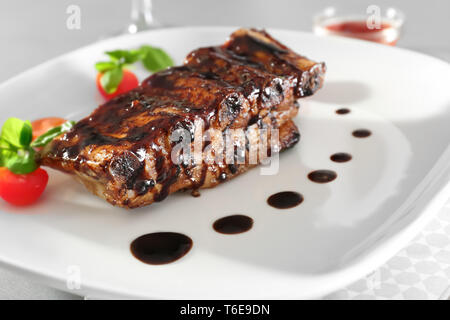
column 285, row 199
column 234, row 224
column 160, row 247
column 342, row 111
column 341, row 157
column 361, row 133
column 322, row 176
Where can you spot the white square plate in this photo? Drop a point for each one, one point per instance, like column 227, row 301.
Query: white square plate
column 397, row 179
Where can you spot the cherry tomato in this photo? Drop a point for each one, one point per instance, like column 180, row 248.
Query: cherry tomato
column 129, row 81
column 41, row 126
column 22, row 189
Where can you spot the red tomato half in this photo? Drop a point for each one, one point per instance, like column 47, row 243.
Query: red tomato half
column 22, row 189
column 41, row 126
column 129, row 81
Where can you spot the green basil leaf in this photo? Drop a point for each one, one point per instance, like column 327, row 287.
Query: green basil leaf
column 133, row 56
column 44, row 139
column 155, row 59
column 26, row 134
column 124, row 56
column 16, row 132
column 115, row 55
column 110, row 80
column 5, row 150
column 15, row 151
column 5, row 154
column 21, row 162
column 4, row 144
column 105, row 66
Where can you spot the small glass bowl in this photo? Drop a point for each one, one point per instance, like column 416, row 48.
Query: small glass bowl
column 386, row 29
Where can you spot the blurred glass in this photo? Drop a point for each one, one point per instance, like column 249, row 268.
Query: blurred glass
column 142, row 17
column 373, row 25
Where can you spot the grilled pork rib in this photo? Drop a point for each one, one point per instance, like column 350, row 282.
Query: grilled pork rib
column 259, row 48
column 123, row 152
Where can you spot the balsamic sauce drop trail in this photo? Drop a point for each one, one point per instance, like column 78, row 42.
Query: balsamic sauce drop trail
column 233, row 224
column 166, row 247
column 160, row 247
column 322, row 176
column 285, row 199
column 341, row 157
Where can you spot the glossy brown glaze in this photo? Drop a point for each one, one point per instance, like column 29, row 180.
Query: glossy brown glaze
column 233, row 224
column 160, row 247
column 285, row 199
column 341, row 157
column 322, row 176
column 259, row 48
column 121, row 152
column 195, row 193
column 361, row 133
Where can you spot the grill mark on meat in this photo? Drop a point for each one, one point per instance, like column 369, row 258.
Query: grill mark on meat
column 307, row 76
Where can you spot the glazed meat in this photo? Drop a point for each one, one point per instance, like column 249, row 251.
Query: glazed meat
column 228, row 108
column 259, row 50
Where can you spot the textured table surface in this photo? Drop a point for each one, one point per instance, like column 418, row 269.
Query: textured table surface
column 420, row 271
column 35, row 31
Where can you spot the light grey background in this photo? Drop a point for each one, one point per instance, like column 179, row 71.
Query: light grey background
column 32, row 32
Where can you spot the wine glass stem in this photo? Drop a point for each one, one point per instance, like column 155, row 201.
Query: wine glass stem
column 141, row 15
